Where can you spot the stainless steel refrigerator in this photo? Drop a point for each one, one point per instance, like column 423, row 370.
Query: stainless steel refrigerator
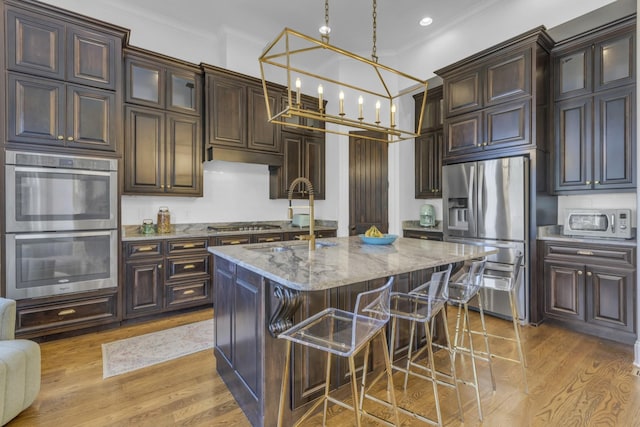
column 487, row 203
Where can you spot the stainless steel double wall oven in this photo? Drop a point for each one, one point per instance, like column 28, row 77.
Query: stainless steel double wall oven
column 61, row 224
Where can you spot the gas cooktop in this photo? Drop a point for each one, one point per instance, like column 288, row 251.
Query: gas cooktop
column 243, row 227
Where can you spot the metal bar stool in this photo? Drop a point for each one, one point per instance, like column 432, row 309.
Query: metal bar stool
column 343, row 333
column 510, row 285
column 422, row 305
column 460, row 292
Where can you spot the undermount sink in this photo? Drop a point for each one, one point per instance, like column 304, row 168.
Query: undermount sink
column 290, row 246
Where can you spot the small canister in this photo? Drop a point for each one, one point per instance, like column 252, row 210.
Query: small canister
column 164, row 220
column 147, row 226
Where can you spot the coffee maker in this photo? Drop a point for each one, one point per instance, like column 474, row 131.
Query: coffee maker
column 427, row 216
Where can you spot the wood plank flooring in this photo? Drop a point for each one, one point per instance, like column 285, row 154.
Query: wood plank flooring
column 574, row 380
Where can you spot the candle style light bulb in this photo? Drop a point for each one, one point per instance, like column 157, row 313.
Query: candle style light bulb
column 393, row 115
column 320, row 92
column 360, row 102
column 341, row 98
column 377, row 111
column 298, row 86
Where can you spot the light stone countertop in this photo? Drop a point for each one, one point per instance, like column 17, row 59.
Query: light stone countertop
column 348, row 261
column 182, row 231
column 554, row 232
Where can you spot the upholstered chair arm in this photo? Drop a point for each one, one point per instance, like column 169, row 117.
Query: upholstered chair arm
column 7, row 319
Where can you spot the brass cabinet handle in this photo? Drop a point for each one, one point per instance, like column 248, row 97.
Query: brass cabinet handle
column 424, row 237
column 596, row 182
column 188, row 246
column 580, row 273
column 66, row 312
column 189, row 292
column 235, row 242
column 588, row 182
column 145, row 248
column 69, row 138
column 589, row 273
column 159, row 266
column 584, row 252
column 189, row 266
column 269, row 239
column 60, row 137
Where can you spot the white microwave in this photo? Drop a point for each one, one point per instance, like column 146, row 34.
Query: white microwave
column 611, row 223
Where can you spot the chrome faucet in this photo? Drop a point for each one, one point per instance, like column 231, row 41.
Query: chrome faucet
column 312, row 236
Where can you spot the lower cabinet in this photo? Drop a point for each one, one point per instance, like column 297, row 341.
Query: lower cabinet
column 591, row 288
column 36, row 318
column 166, row 275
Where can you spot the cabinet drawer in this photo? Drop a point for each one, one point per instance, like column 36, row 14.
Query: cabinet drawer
column 95, row 310
column 424, row 235
column 233, row 240
column 591, row 254
column 266, row 238
column 188, row 293
column 143, row 249
column 175, row 247
column 185, row 267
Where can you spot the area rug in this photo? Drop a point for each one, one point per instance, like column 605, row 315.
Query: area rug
column 139, row 352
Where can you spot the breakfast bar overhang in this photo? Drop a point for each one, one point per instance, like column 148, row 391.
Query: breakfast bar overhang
column 263, row 289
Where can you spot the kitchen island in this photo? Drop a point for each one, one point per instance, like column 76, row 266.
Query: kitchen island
column 263, row 289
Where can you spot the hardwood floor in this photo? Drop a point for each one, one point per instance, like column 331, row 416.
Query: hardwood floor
column 574, row 380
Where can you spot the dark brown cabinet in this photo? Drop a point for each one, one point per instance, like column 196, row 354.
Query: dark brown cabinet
column 496, row 98
column 36, row 318
column 50, row 112
column 428, row 146
column 162, row 153
column 61, row 50
column 158, row 83
column 63, row 81
column 166, row 275
column 237, row 126
column 304, row 155
column 594, row 110
column 591, row 288
column 163, row 127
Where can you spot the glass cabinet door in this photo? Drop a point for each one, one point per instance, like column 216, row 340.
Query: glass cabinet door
column 182, row 90
column 573, row 74
column 614, row 62
column 144, row 83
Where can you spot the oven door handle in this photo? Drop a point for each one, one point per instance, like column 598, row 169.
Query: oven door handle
column 61, row 171
column 32, row 236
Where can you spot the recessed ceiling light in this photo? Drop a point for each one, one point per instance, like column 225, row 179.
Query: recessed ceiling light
column 426, row 21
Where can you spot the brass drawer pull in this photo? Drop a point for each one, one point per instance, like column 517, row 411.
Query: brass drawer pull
column 66, row 312
column 189, row 266
column 189, row 292
column 188, row 246
column 584, row 252
column 235, row 242
column 270, row 239
column 145, row 248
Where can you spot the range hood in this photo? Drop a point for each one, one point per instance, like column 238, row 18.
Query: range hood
column 243, row 156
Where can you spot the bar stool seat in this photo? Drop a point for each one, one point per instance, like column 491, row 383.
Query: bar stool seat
column 422, row 305
column 343, row 333
column 460, row 292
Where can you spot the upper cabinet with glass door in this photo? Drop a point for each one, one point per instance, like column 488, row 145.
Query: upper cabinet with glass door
column 593, row 63
column 153, row 82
